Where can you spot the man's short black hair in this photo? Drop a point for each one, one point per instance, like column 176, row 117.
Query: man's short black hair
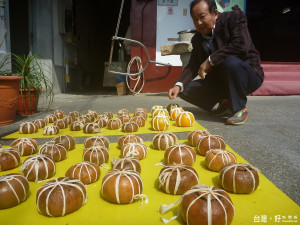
column 211, row 5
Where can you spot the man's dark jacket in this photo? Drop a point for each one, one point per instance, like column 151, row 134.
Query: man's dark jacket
column 231, row 38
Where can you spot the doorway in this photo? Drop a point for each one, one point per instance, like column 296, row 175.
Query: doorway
column 274, row 27
column 96, row 23
column 19, row 27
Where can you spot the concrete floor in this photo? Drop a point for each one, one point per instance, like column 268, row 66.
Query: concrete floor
column 270, row 140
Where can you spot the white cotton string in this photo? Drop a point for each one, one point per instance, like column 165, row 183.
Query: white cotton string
column 190, row 205
column 34, row 161
column 235, row 166
column 131, row 183
column 222, row 205
column 117, row 188
column 163, row 179
column 178, row 181
column 53, row 185
column 142, row 197
column 104, row 166
column 209, row 210
column 233, row 180
column 253, row 179
column 227, row 199
column 209, row 191
column 22, row 185
column 203, row 188
column 248, row 165
column 84, row 165
column 131, row 162
column 64, row 200
column 188, row 115
column 165, row 221
column 163, row 176
column 24, row 141
column 166, row 208
column 8, row 151
column 39, row 181
column 6, row 178
column 13, row 190
column 103, row 157
column 122, row 162
column 224, row 156
column 192, row 138
column 180, row 153
column 60, row 138
column 81, row 166
column 191, row 154
column 170, row 152
column 52, row 147
column 156, row 122
column 47, row 202
column 109, row 175
column 132, row 152
column 114, row 162
column 127, row 174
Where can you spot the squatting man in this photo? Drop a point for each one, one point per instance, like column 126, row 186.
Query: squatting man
column 225, row 59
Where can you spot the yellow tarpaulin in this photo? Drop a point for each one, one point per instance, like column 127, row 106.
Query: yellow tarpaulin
column 265, row 206
column 106, row 132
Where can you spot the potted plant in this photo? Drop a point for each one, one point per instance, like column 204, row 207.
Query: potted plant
column 34, row 83
column 9, row 91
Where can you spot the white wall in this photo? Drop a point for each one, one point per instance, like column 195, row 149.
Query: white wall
column 168, row 25
column 46, row 23
column 57, row 29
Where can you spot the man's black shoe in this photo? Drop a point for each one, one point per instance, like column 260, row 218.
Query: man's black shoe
column 223, row 108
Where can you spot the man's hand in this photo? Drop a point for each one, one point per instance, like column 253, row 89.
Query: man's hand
column 173, row 92
column 204, row 68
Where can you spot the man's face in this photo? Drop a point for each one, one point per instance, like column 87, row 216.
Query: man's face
column 203, row 20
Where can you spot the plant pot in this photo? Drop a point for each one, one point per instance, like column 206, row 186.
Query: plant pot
column 9, row 91
column 27, row 103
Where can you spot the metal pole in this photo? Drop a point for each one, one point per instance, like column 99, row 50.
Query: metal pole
column 116, row 34
column 147, row 54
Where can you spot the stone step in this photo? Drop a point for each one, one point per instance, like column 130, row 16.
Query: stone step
column 280, row 79
column 280, row 67
column 278, row 88
column 283, row 76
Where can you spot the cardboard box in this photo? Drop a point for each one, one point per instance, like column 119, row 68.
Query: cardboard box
column 121, row 88
column 109, row 79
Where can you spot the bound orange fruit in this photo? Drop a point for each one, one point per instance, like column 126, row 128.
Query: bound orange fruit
column 156, row 107
column 160, row 112
column 185, row 119
column 175, row 112
column 160, row 123
column 172, row 106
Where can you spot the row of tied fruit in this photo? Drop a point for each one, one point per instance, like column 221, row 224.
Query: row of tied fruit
column 92, row 122
column 176, row 177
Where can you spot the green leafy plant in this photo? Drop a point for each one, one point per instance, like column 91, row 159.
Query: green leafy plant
column 34, row 76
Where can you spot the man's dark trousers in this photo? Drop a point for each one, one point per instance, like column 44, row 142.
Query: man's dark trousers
column 233, row 79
